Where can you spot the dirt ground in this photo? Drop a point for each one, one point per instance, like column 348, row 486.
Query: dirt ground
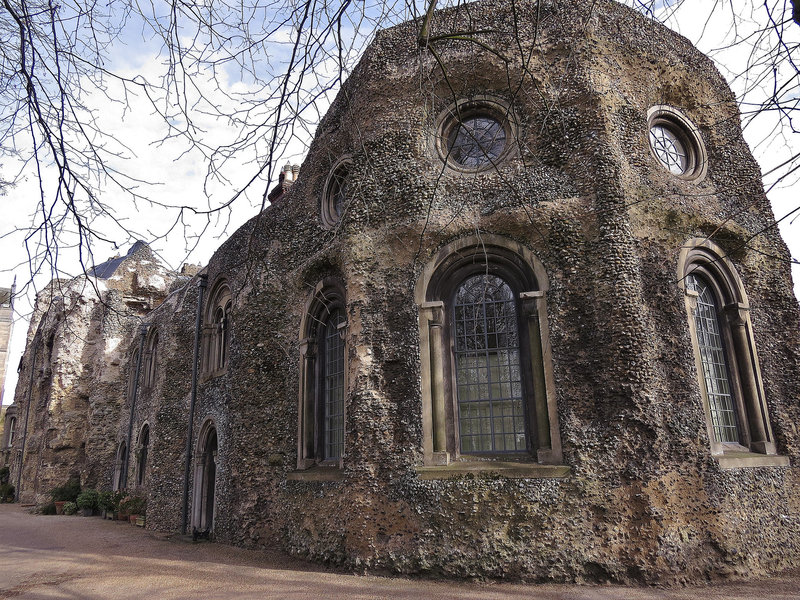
column 44, row 557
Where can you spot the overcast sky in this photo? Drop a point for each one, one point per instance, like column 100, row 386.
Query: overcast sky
column 182, row 174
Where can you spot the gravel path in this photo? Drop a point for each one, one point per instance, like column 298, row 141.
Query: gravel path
column 89, row 558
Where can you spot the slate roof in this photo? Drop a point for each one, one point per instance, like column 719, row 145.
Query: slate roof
column 108, row 268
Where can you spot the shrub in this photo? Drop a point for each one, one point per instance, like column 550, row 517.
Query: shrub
column 87, row 499
column 107, row 500
column 6, row 492
column 4, row 475
column 48, row 509
column 70, row 508
column 133, row 505
column 67, row 492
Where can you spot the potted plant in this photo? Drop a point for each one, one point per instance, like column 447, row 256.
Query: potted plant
column 87, row 501
column 65, row 493
column 6, row 489
column 69, row 508
column 134, row 506
column 107, row 502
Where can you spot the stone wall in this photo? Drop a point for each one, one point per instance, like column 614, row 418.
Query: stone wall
column 638, row 494
column 71, row 404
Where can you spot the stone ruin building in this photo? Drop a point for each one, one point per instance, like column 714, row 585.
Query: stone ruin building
column 523, row 312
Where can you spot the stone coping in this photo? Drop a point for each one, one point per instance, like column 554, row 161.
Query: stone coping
column 738, row 460
column 510, row 470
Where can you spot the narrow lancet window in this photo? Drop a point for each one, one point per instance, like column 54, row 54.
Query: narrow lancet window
column 333, row 386
column 716, row 369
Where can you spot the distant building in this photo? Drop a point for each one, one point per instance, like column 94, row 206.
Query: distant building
column 6, row 325
column 522, row 312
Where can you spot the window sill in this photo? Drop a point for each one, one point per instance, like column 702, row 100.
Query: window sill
column 739, row 460
column 209, row 375
column 316, row 474
column 509, row 470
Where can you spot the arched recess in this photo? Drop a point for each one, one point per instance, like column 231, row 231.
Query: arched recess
column 143, row 453
column 205, row 479
column 119, row 465
column 464, row 344
column 323, row 372
column 132, row 374
column 729, row 375
column 150, row 357
column 216, row 330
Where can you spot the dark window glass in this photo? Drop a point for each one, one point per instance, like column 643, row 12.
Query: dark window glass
column 478, row 140
column 716, row 371
column 487, row 363
column 144, row 446
column 333, row 387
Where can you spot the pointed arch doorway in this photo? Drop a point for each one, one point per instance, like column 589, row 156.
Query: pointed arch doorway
column 205, row 479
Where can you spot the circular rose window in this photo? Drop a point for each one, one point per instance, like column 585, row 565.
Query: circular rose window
column 477, row 141
column 335, row 195
column 474, row 135
column 676, row 143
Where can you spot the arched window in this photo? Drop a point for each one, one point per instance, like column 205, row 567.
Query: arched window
column 323, row 387
column 144, row 448
column 724, row 349
column 119, row 467
column 205, row 479
column 487, row 384
column 12, row 426
column 216, row 331
column 486, row 361
column 150, row 358
column 132, row 374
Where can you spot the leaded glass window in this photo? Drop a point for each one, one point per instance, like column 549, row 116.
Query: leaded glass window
column 716, row 371
column 669, row 149
column 333, row 387
column 487, row 364
column 477, row 141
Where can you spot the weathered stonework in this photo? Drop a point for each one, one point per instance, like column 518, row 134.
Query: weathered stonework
column 629, row 488
column 76, row 347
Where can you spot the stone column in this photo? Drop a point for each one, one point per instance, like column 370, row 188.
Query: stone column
column 530, row 311
column 306, row 441
column 737, row 315
column 433, row 315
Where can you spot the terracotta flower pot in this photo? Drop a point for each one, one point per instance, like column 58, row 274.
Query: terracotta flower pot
column 60, row 507
column 133, row 518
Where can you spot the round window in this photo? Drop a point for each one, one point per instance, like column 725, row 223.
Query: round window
column 474, row 135
column 669, row 149
column 334, row 198
column 676, row 143
column 476, row 141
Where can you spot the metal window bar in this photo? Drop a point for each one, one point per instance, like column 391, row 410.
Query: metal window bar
column 715, row 363
column 488, row 377
column 333, row 388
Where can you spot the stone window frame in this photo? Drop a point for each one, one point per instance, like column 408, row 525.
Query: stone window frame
column 142, row 452
column 327, row 297
column 523, row 271
column 756, row 447
column 339, row 173
column 687, row 133
column 450, row 118
column 216, row 331
column 150, row 359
